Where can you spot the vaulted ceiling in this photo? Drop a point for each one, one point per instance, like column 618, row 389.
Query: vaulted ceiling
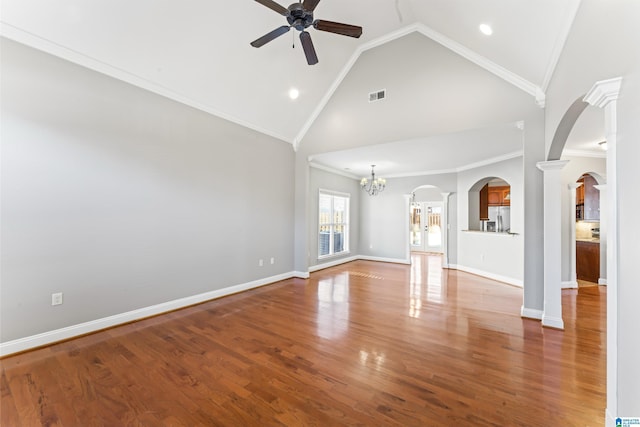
column 448, row 85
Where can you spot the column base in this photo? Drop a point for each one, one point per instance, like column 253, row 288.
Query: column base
column 530, row 313
column 552, row 322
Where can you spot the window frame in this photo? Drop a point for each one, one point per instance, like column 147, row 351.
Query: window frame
column 345, row 224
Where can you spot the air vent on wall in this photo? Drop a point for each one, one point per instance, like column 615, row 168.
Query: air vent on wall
column 377, row 95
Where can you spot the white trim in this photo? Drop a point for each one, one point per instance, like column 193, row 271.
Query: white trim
column 609, row 419
column 491, row 161
column 31, row 40
column 602, row 281
column 384, row 259
column 463, row 168
column 530, row 313
column 600, row 154
column 569, row 284
column 552, row 322
column 558, row 46
column 603, row 92
column 332, row 170
column 45, row 338
column 488, row 275
column 340, row 261
column 301, row 274
column 333, row 263
column 455, row 47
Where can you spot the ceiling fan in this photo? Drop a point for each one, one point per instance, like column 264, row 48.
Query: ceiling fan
column 300, row 16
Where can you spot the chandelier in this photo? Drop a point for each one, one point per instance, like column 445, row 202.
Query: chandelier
column 373, row 186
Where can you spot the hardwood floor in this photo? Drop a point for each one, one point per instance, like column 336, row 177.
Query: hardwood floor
column 364, row 343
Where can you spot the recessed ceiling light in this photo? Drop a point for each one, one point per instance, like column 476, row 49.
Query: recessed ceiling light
column 294, row 93
column 486, row 29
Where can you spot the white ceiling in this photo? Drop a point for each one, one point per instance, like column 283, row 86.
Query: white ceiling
column 198, row 53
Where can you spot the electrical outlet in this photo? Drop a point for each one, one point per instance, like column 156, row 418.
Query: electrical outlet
column 273, row 260
column 260, row 263
column 56, row 299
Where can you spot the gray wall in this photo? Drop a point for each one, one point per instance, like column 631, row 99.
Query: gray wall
column 123, row 199
column 384, row 227
column 603, row 43
column 323, row 180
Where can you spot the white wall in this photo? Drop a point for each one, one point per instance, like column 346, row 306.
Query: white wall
column 122, row 199
column 603, row 44
column 495, row 255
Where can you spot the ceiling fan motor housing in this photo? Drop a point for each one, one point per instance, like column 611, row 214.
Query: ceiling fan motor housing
column 299, row 18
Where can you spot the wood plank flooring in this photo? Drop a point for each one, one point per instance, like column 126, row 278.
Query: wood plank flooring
column 364, row 343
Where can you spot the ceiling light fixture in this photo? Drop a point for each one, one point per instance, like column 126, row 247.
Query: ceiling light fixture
column 294, row 93
column 374, row 186
column 603, row 145
column 486, row 29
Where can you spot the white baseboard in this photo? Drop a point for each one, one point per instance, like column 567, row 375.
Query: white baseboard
column 45, row 338
column 488, row 275
column 531, row 313
column 301, row 274
column 569, row 285
column 356, row 258
column 332, row 263
column 382, row 259
column 602, row 281
column 609, row 419
column 552, row 322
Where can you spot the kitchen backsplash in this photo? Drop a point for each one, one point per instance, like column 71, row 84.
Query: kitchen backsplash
column 583, row 229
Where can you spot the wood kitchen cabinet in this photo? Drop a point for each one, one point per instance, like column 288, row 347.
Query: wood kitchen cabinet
column 588, row 261
column 499, row 196
column 587, row 199
column 484, row 203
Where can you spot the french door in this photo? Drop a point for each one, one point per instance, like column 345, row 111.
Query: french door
column 426, row 226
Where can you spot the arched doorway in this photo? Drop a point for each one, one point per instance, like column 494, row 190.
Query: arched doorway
column 428, row 213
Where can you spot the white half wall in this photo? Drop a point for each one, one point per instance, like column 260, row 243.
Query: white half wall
column 498, row 255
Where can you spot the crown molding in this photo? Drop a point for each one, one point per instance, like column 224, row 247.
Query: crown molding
column 561, row 40
column 584, row 153
column 333, row 170
column 16, row 34
column 455, row 47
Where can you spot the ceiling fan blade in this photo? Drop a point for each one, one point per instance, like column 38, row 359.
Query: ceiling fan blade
column 274, row 6
column 310, row 5
column 309, row 50
column 270, row 36
column 338, row 28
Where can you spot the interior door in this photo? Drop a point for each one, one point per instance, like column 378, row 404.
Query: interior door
column 426, row 226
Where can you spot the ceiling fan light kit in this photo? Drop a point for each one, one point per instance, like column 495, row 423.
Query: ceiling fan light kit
column 300, row 16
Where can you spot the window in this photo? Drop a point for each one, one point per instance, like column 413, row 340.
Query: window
column 333, row 221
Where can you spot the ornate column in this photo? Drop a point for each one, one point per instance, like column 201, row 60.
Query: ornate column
column 445, row 230
column 552, row 220
column 604, row 94
column 573, row 276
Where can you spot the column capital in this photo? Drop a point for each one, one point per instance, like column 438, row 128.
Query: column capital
column 445, row 196
column 551, row 165
column 603, row 92
column 600, row 187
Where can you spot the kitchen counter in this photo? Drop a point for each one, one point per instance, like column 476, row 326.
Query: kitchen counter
column 589, row 240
